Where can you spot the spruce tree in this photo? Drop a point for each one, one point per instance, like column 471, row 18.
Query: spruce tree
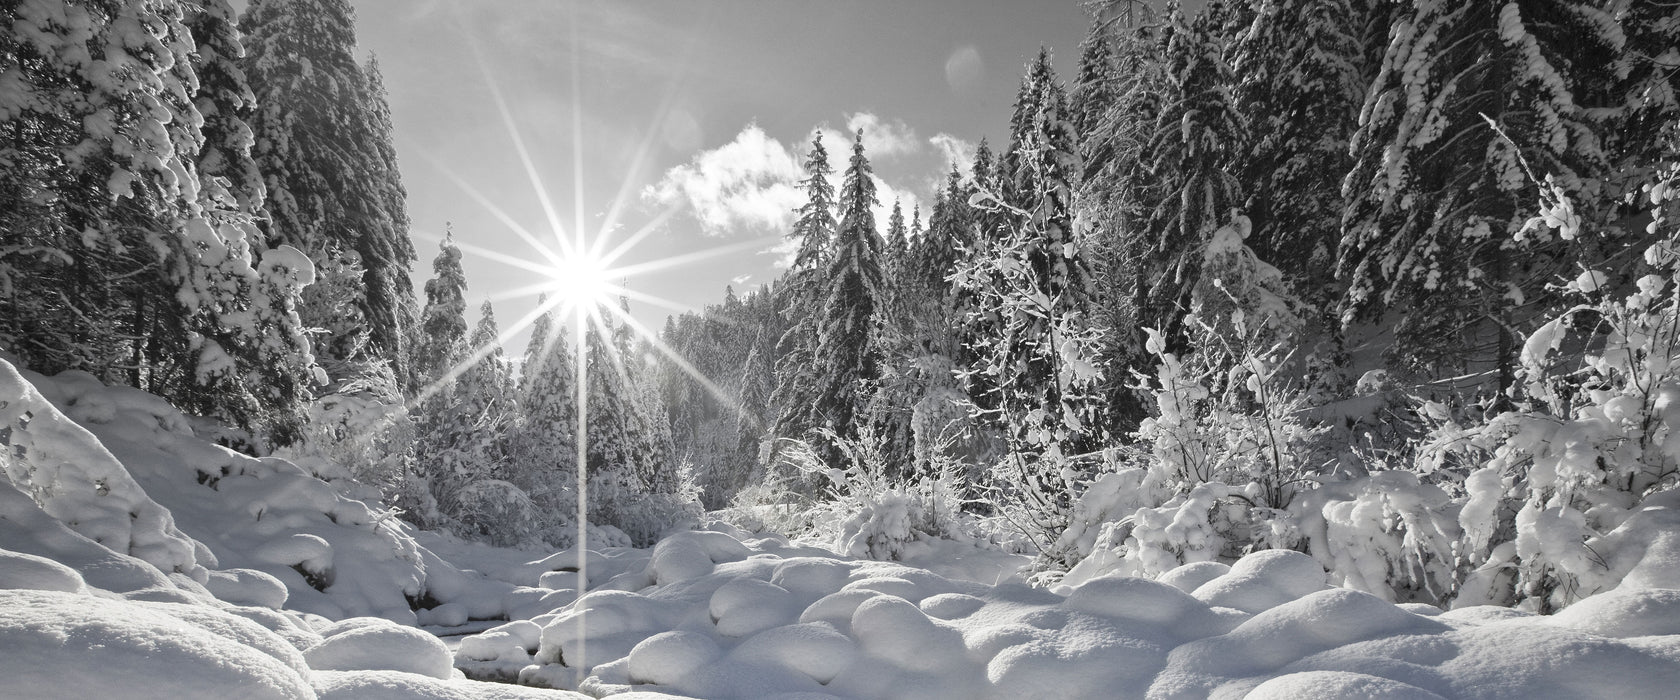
column 846, row 350
column 126, row 220
column 800, row 298
column 322, row 141
column 545, row 451
column 1299, row 83
column 443, row 461
column 1438, row 197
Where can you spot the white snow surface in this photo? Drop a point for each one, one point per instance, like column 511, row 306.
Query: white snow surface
column 139, row 561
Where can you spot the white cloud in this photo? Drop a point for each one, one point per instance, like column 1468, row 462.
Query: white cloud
column 956, row 151
column 883, row 139
column 749, row 184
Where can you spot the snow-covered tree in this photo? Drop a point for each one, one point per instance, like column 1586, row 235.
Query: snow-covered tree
column 127, row 239
column 800, row 297
column 322, row 142
column 846, row 350
column 544, row 450
column 1299, row 80
column 1035, row 285
column 1472, row 100
column 441, row 463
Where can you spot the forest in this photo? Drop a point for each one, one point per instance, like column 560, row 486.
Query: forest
column 1391, row 285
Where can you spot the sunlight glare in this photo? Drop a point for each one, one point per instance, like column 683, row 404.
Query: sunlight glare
column 581, row 280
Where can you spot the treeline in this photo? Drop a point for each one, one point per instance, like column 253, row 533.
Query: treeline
column 1258, row 261
column 208, row 207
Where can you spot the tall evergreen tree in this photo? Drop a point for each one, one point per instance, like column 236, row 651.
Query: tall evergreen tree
column 322, row 140
column 800, row 297
column 1437, row 199
column 545, row 451
column 122, row 257
column 1196, row 138
column 1300, row 80
column 443, row 462
column 846, row 349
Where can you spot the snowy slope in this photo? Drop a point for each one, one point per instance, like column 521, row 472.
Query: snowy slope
column 137, row 560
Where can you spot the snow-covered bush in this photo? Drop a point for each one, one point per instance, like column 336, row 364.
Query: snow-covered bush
column 495, row 511
column 862, row 510
column 1230, row 443
column 1589, row 444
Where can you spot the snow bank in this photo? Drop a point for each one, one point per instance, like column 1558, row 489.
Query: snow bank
column 70, row 475
column 723, row 619
column 384, row 646
column 123, row 469
column 58, row 645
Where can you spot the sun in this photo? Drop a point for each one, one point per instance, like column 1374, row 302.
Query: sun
column 581, row 280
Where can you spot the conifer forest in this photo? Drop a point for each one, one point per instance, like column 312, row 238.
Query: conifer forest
column 1278, row 349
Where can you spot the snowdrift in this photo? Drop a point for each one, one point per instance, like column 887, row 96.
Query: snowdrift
column 137, row 559
column 709, row 615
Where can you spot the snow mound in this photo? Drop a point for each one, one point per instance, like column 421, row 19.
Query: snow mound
column 247, row 587
column 382, row 647
column 392, row 685
column 76, row 480
column 1334, row 685
column 58, row 645
column 760, row 620
column 1264, row 580
column 30, row 572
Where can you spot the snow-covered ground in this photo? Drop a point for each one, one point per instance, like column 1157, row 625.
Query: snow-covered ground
column 139, row 561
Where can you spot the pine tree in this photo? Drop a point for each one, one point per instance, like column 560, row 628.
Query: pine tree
column 846, row 348
column 123, row 259
column 1300, row 69
column 1190, row 154
column 444, row 462
column 800, row 298
column 1437, row 199
column 545, row 451
column 441, row 344
column 1119, row 193
column 322, row 140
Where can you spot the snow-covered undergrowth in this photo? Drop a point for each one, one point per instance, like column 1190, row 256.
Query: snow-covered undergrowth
column 138, row 560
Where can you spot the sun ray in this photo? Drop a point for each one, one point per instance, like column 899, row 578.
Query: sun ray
column 641, row 234
column 683, row 364
column 519, row 146
column 496, row 211
column 692, row 257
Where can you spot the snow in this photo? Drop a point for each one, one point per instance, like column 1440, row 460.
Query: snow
column 285, row 585
column 383, row 646
column 30, row 572
column 50, row 641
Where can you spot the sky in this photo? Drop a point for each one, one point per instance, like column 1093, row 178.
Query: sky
column 686, row 120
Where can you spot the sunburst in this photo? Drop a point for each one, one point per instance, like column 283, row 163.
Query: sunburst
column 582, row 276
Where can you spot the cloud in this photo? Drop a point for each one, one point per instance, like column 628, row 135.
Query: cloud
column 747, row 185
column 751, row 184
column 883, row 139
column 956, row 151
